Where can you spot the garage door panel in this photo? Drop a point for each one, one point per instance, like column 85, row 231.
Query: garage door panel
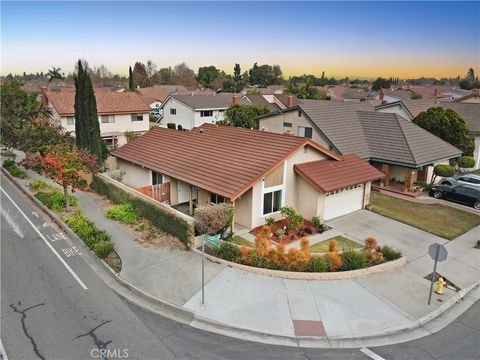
column 343, row 203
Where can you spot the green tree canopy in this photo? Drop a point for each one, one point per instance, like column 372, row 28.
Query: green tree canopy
column 306, row 91
column 237, row 77
column 380, row 83
column 447, row 125
column 265, row 75
column 243, row 116
column 207, row 74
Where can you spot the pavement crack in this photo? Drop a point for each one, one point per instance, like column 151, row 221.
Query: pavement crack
column 24, row 325
column 98, row 343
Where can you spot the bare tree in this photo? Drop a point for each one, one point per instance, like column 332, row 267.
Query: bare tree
column 183, row 75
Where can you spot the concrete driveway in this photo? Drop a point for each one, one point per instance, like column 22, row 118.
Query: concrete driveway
column 412, row 242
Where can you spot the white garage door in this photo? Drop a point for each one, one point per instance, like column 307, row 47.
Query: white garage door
column 343, row 202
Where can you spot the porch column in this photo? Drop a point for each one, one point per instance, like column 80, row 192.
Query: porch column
column 190, row 202
column 233, row 218
column 386, row 171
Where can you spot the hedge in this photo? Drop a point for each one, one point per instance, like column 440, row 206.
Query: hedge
column 162, row 220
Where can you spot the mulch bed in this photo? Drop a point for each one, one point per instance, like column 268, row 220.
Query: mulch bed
column 307, row 227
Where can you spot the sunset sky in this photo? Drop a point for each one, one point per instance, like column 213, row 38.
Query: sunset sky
column 356, row 39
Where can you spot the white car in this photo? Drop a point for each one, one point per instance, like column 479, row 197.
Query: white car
column 469, row 179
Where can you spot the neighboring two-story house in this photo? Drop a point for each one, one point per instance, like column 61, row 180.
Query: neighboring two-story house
column 118, row 113
column 189, row 111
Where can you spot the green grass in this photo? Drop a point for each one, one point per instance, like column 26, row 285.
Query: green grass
column 241, row 241
column 441, row 220
column 124, row 213
column 342, row 243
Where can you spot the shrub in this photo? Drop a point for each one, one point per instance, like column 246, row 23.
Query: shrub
column 270, row 221
column 317, row 222
column 332, row 245
column 228, row 251
column 179, row 127
column 103, row 248
column 295, row 220
column 444, row 170
column 262, row 244
column 36, row 185
column 353, row 260
column 171, row 125
column 124, row 213
column 130, row 135
column 117, row 174
column 55, row 200
column 213, row 219
column 373, row 256
column 96, row 239
column 12, row 168
column 159, row 218
column 317, row 264
column 466, row 162
column 279, row 233
column 389, row 253
column 370, row 243
column 334, row 261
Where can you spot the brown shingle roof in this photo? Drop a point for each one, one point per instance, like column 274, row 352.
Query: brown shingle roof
column 329, row 175
column 223, row 160
column 107, row 102
column 260, row 100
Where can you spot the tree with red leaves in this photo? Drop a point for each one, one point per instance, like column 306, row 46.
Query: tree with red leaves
column 66, row 166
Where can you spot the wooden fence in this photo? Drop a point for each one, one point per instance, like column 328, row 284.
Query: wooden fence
column 159, row 192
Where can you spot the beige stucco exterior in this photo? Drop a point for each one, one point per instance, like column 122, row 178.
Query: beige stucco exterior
column 296, row 191
column 274, row 123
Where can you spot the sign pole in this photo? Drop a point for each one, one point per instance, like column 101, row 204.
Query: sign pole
column 203, row 270
column 433, row 275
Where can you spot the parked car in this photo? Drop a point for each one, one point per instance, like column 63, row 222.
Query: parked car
column 463, row 194
column 469, row 179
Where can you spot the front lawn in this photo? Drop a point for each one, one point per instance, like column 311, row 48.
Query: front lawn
column 241, row 241
column 441, row 220
column 342, row 243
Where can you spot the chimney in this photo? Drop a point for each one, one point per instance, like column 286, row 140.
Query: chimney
column 235, row 99
column 435, row 94
column 289, row 101
column 44, row 96
column 382, row 101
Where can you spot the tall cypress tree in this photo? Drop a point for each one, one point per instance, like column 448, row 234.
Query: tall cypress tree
column 130, row 79
column 87, row 127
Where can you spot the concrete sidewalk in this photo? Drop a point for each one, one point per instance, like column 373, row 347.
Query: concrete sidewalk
column 336, row 309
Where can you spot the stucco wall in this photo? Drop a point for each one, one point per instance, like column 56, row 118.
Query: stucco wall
column 274, row 124
column 367, row 189
column 135, row 176
column 199, row 120
column 243, row 210
column 476, row 153
column 396, row 109
column 203, row 197
column 122, row 123
column 308, row 204
column 184, row 116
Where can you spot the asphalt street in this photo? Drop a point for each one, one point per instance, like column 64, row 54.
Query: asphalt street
column 54, row 306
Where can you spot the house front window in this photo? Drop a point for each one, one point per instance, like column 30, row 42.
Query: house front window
column 70, row 120
column 137, row 117
column 156, row 178
column 108, row 119
column 287, row 124
column 173, row 111
column 206, row 113
column 305, row 132
column 217, row 199
column 272, row 202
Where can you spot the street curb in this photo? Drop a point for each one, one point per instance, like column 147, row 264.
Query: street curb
column 162, row 307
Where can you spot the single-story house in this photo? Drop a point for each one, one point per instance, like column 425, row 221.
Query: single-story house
column 118, row 113
column 387, row 140
column 469, row 111
column 258, row 172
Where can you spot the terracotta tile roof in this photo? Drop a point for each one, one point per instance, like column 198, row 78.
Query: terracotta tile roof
column 221, row 159
column 152, row 94
column 329, row 175
column 107, row 102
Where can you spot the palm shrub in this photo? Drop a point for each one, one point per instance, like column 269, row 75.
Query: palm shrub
column 389, row 253
column 227, row 251
column 317, row 264
column 353, row 260
column 270, row 221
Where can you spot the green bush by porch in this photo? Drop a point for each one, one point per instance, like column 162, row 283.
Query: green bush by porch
column 160, row 219
column 437, row 219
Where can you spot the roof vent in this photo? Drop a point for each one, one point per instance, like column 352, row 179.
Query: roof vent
column 202, row 131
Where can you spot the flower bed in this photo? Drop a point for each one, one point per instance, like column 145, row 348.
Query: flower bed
column 266, row 257
column 290, row 236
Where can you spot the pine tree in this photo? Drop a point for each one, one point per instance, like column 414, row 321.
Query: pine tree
column 130, row 78
column 87, row 127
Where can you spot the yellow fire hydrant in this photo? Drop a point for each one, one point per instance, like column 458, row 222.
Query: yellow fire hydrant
column 440, row 282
